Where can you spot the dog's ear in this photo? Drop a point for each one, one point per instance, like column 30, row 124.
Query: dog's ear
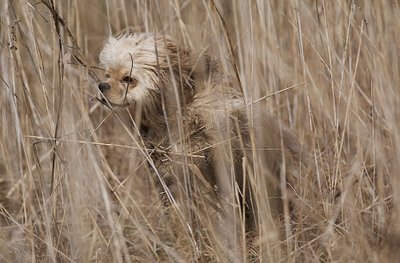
column 171, row 46
column 180, row 58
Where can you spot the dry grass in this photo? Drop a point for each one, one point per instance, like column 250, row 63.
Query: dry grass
column 68, row 191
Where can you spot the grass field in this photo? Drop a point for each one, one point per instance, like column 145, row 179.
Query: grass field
column 330, row 70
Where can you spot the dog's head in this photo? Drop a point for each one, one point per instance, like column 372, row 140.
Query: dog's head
column 141, row 67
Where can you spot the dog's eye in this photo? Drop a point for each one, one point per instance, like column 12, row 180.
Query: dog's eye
column 128, row 79
column 107, row 76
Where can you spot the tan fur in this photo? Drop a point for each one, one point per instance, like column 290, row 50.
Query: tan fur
column 189, row 109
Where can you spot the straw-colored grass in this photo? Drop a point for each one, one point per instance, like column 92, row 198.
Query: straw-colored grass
column 69, row 192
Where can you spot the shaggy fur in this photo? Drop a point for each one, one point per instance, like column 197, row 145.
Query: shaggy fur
column 191, row 115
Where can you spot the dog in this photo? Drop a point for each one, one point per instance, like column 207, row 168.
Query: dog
column 193, row 120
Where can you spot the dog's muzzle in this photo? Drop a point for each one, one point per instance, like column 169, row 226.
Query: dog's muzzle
column 104, row 86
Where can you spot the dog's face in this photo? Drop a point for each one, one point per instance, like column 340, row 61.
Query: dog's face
column 129, row 63
column 137, row 68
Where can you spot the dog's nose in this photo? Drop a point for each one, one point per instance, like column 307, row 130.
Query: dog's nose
column 104, row 86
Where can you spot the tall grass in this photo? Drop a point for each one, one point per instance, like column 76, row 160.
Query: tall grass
column 69, row 191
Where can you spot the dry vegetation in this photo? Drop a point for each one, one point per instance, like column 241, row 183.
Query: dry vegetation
column 328, row 69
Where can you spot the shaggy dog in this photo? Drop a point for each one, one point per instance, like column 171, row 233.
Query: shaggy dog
column 193, row 120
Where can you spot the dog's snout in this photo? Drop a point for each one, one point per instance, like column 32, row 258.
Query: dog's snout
column 104, row 86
